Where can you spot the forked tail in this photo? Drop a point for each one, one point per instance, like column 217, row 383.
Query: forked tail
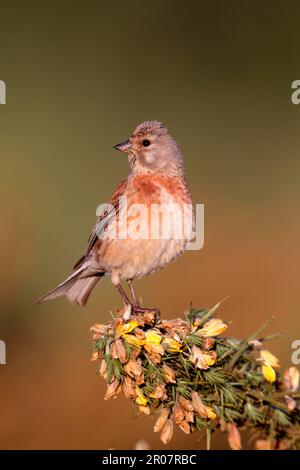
column 77, row 287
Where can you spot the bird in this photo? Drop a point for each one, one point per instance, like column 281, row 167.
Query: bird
column 156, row 179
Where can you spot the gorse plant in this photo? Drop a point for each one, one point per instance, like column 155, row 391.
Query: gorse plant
column 190, row 376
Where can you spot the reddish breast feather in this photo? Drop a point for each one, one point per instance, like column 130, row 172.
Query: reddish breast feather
column 148, row 188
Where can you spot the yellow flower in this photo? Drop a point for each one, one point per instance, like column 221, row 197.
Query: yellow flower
column 140, row 399
column 210, row 412
column 172, row 345
column 152, row 337
column 269, row 362
column 209, row 360
column 125, row 328
column 213, row 327
column 154, row 348
column 132, row 339
column 269, row 358
column 201, row 359
column 269, row 373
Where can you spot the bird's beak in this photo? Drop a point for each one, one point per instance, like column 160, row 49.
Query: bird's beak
column 123, row 146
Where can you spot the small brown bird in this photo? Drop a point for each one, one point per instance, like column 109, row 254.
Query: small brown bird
column 156, row 181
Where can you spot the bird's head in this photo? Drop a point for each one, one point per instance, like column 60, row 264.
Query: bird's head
column 151, row 149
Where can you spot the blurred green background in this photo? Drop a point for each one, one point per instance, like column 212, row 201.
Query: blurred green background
column 80, row 76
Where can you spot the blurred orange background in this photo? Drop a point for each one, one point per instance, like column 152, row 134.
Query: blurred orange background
column 80, row 76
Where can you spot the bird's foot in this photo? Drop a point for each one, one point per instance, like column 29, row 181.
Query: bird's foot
column 139, row 309
column 145, row 310
column 132, row 309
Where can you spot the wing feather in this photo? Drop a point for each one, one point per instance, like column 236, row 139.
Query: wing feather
column 107, row 215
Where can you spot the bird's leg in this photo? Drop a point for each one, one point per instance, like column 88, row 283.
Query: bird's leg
column 133, row 293
column 135, row 307
column 123, row 294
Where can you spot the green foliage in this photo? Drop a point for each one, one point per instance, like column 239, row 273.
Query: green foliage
column 225, row 373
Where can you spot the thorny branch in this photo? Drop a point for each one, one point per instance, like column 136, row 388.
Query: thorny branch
column 190, row 376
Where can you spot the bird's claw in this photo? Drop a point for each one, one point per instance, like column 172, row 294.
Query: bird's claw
column 133, row 308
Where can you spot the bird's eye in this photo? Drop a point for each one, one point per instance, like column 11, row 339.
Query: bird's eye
column 146, row 143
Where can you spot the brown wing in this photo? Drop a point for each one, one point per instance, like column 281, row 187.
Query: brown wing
column 102, row 220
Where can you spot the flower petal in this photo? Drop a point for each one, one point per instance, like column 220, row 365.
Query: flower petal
column 269, row 358
column 171, row 345
column 234, row 437
column 125, row 328
column 132, row 339
column 210, row 412
column 213, row 327
column 153, row 337
column 161, row 420
column 169, row 374
column 167, row 431
column 269, row 373
column 140, row 399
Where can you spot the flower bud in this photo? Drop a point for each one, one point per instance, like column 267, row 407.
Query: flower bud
column 167, row 431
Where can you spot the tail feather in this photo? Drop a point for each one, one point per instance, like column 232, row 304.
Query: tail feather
column 80, row 291
column 77, row 287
